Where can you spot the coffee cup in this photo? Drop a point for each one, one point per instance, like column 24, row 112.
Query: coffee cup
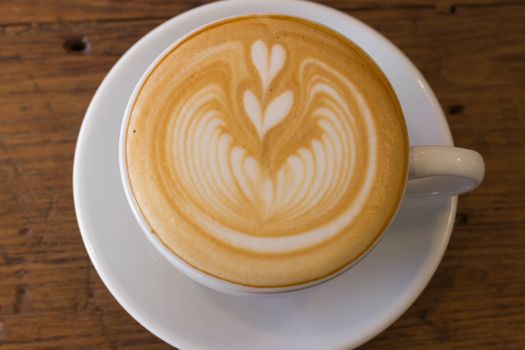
column 268, row 153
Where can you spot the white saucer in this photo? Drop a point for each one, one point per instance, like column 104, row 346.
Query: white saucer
column 344, row 312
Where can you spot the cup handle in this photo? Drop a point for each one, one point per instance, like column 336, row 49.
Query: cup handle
column 440, row 171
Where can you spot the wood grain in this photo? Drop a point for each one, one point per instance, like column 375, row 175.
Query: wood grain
column 59, row 11
column 53, row 55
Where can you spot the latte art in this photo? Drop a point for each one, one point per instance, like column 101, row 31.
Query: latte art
column 245, row 193
column 266, row 151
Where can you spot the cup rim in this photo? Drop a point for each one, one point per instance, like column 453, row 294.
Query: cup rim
column 196, row 274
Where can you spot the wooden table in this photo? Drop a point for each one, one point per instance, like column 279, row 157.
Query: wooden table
column 53, row 55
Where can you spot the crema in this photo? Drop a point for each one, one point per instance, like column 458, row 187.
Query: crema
column 267, row 151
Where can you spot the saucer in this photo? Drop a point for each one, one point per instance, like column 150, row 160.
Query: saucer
column 341, row 313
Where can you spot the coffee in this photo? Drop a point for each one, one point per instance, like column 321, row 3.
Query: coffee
column 267, row 151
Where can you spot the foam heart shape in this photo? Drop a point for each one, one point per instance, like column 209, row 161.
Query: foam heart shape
column 267, row 64
column 273, row 114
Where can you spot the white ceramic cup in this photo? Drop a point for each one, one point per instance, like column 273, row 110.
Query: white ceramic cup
column 434, row 171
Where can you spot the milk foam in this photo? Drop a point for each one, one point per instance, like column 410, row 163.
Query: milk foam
column 271, row 158
column 225, row 175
